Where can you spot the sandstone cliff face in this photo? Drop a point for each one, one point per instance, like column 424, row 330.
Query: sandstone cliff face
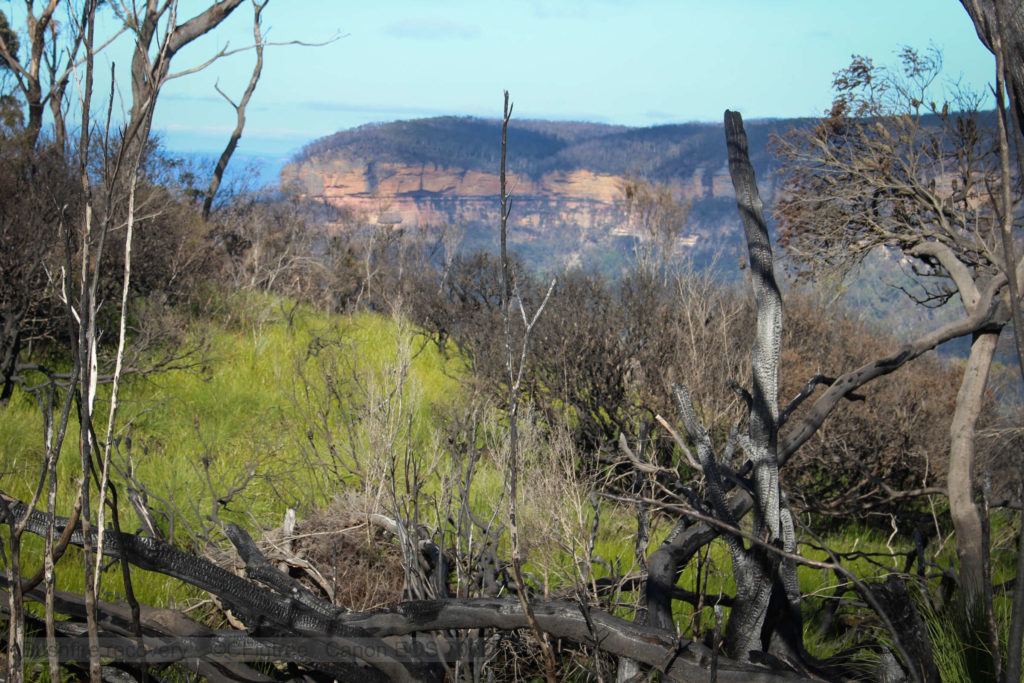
column 567, row 215
column 579, row 201
column 425, row 194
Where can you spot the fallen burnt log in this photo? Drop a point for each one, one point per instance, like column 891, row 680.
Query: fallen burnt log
column 286, row 624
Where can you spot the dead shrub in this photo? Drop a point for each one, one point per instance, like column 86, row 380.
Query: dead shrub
column 359, row 560
column 336, row 553
column 894, row 439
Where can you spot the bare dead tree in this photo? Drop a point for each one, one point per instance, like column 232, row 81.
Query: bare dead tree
column 1000, row 26
column 258, row 45
column 43, row 78
column 514, row 371
column 757, row 573
column 158, row 37
column 878, row 173
column 236, row 134
column 653, row 212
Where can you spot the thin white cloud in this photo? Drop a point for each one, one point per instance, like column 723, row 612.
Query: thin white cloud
column 250, row 132
column 204, row 130
column 431, row 28
column 186, row 97
column 371, row 108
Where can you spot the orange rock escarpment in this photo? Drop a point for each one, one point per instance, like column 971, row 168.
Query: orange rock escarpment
column 428, row 194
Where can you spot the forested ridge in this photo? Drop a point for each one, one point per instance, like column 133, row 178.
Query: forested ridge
column 659, row 153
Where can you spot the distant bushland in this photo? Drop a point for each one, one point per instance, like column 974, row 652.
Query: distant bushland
column 658, row 152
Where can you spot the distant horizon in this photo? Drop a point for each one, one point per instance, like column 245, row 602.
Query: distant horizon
column 275, row 150
column 273, row 159
column 633, row 63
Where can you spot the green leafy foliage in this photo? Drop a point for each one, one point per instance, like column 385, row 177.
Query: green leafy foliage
column 227, row 431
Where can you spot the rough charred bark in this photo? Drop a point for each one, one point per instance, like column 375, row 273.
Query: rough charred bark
column 177, row 637
column 667, row 562
column 913, row 632
column 772, row 518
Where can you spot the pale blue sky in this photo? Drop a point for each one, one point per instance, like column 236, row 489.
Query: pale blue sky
column 634, row 62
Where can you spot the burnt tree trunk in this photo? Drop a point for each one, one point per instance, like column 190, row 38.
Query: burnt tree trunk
column 757, row 570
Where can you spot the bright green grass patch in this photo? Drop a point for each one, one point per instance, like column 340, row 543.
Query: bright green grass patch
column 292, row 408
column 232, row 427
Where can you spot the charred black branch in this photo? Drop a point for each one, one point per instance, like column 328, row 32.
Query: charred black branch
column 667, row 562
column 806, row 392
column 274, row 618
